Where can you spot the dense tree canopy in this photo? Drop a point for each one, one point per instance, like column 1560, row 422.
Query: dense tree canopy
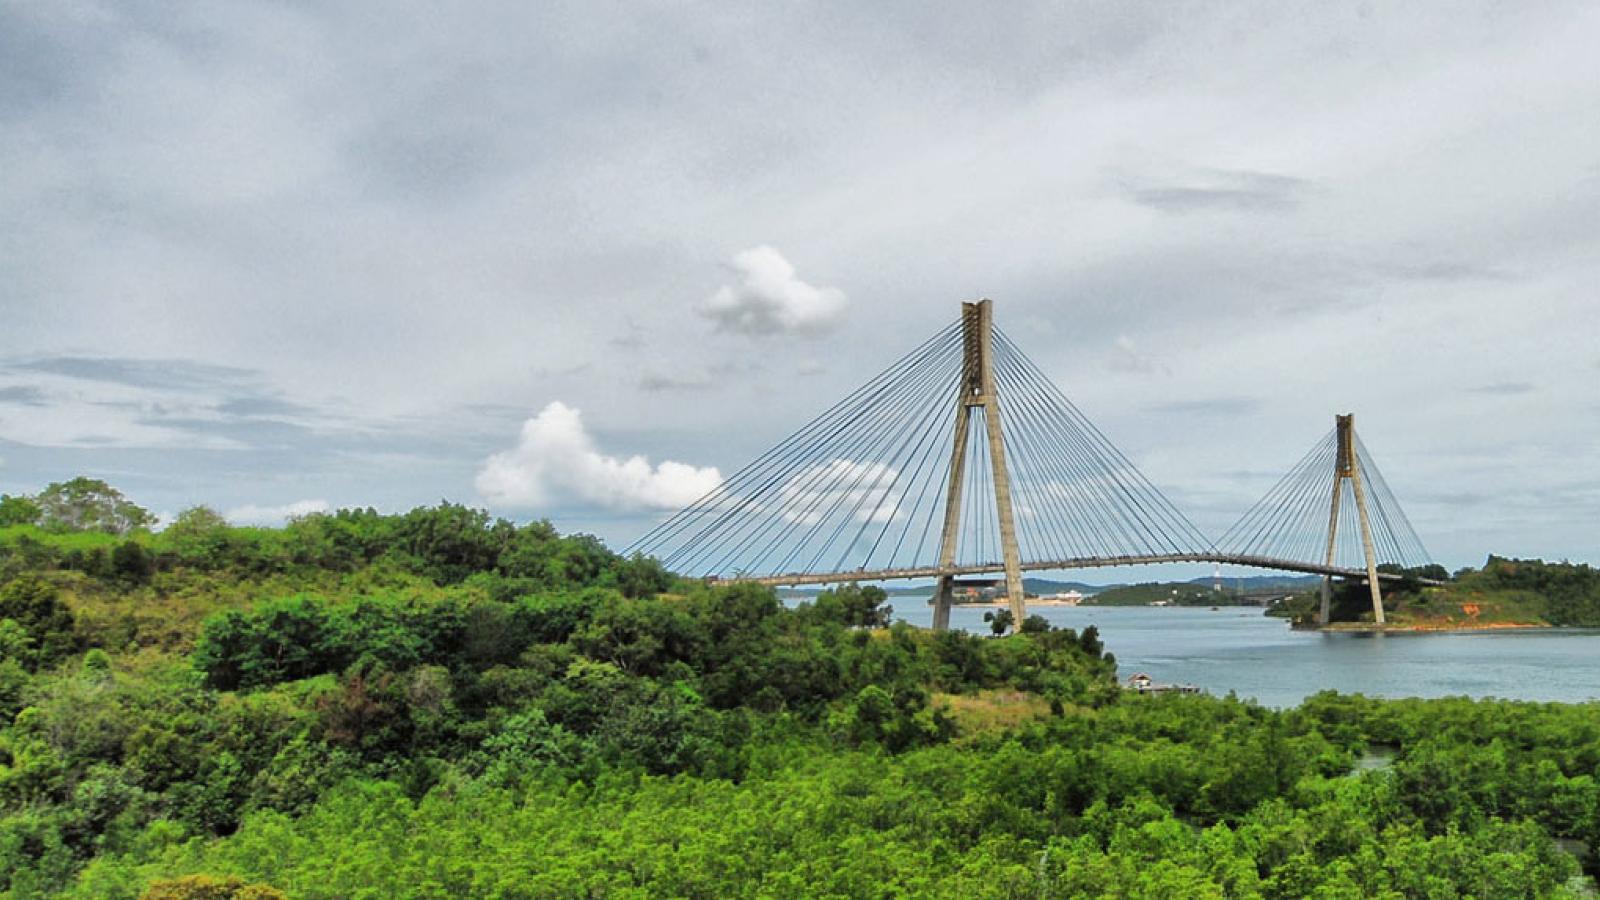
column 18, row 511
column 445, row 704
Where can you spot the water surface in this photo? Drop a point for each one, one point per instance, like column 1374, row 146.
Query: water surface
column 1238, row 649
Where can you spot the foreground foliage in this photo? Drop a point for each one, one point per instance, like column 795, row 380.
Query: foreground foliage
column 439, row 704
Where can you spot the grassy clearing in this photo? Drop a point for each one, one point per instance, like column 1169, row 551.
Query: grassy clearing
column 1457, row 606
column 992, row 710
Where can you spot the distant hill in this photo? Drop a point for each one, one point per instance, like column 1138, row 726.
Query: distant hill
column 1178, row 593
column 1200, row 591
column 1262, row 582
column 1044, row 586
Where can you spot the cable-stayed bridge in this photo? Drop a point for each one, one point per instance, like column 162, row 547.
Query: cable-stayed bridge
column 963, row 459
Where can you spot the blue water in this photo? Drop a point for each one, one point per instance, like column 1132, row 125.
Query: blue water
column 1240, row 650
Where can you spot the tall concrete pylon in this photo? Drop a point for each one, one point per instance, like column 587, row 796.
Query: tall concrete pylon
column 1347, row 466
column 978, row 391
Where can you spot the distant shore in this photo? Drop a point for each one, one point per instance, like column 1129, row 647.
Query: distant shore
column 1031, row 601
column 1422, row 627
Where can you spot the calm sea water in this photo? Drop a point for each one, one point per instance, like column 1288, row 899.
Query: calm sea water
column 1241, row 650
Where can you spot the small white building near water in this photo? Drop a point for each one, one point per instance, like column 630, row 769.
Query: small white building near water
column 1066, row 598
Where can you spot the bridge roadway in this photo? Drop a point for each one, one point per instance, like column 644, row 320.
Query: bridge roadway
column 1086, row 562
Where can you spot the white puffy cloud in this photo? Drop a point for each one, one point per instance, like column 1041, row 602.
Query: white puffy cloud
column 770, row 299
column 555, row 459
column 251, row 514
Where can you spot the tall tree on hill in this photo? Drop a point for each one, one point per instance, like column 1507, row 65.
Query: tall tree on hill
column 89, row 504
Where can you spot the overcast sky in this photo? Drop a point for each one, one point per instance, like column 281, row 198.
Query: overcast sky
column 577, row 261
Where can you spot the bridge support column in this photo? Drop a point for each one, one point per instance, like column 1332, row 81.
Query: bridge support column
column 978, row 391
column 1333, row 534
column 1347, row 466
column 941, row 602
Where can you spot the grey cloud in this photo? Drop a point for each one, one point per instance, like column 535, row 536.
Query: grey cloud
column 1126, row 357
column 496, row 410
column 563, row 371
column 657, row 382
column 1245, row 475
column 705, row 377
column 39, row 64
column 1219, row 189
column 1508, row 388
column 253, row 433
column 23, row 395
column 260, row 406
column 1225, row 406
column 1452, row 498
column 428, row 165
column 164, row 374
column 1442, row 270
column 440, row 214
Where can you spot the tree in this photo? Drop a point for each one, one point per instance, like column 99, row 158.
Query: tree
column 451, row 542
column 855, row 606
column 89, row 504
column 17, row 511
column 131, row 564
column 1035, row 625
column 999, row 621
column 31, row 602
column 201, row 537
column 641, row 576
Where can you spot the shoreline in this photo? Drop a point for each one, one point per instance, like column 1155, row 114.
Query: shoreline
column 1423, row 628
column 1032, row 602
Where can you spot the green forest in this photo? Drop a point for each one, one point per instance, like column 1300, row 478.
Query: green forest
column 443, row 704
column 1504, row 592
column 1171, row 593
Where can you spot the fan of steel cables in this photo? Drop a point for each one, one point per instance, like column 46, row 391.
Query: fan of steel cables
column 1292, row 521
column 864, row 485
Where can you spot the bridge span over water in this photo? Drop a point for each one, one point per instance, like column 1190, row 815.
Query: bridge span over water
column 963, row 458
column 797, row 579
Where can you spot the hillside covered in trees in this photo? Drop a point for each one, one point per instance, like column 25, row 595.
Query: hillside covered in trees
column 1503, row 593
column 443, row 704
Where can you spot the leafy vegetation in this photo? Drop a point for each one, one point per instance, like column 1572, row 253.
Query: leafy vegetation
column 1170, row 593
column 1505, row 592
column 442, row 704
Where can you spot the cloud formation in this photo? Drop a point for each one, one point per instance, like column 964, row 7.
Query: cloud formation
column 171, row 403
column 655, row 381
column 1210, row 406
column 1506, row 388
column 771, row 300
column 252, row 514
column 555, row 461
column 284, row 199
column 1220, row 189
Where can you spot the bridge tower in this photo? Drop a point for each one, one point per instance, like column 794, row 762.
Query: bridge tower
column 978, row 390
column 1347, row 467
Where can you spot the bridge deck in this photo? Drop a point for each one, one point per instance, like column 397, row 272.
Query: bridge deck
column 1087, row 562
